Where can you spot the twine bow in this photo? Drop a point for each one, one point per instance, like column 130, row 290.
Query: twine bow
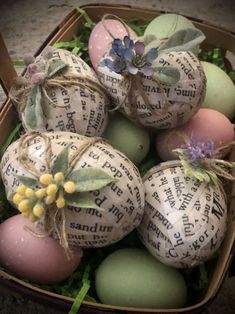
column 202, row 161
column 54, row 74
column 54, row 220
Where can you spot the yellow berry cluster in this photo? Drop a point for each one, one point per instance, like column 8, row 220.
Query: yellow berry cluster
column 32, row 204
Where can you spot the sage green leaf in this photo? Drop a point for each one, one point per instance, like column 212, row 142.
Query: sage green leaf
column 147, row 39
column 27, row 181
column 33, row 113
column 183, row 40
column 154, row 43
column 61, row 163
column 55, row 66
column 167, row 75
column 90, row 179
column 82, row 200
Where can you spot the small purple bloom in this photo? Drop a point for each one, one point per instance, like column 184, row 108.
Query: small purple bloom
column 128, row 57
column 32, row 68
column 200, row 150
column 28, row 59
column 38, row 78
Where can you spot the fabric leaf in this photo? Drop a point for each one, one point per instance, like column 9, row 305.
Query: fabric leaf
column 55, row 65
column 166, row 75
column 183, row 40
column 33, row 113
column 61, row 162
column 27, row 181
column 82, row 200
column 90, row 179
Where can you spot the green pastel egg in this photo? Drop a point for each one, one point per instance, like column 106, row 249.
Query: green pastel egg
column 132, row 277
column 130, row 139
column 167, row 24
column 220, row 90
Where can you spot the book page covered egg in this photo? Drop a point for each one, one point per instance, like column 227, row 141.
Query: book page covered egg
column 185, row 219
column 30, row 253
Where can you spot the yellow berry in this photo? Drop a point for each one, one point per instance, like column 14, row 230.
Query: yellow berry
column 21, row 189
column 17, row 198
column 69, row 187
column 46, row 179
column 60, row 202
column 29, row 193
column 41, row 193
column 38, row 210
column 49, row 199
column 52, row 189
column 24, row 206
column 32, row 217
column 59, row 177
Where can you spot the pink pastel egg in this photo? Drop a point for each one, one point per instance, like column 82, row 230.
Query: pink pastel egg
column 206, row 125
column 40, row 259
column 100, row 40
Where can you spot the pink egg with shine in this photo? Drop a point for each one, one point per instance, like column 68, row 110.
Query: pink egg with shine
column 206, row 125
column 40, row 259
column 100, row 40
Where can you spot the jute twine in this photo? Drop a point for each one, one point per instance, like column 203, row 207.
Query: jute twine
column 133, row 83
column 54, row 219
column 22, row 87
column 218, row 166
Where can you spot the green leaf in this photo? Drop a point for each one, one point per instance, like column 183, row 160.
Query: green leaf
column 183, row 40
column 82, row 292
column 55, row 66
column 10, row 138
column 33, row 114
column 82, row 200
column 90, row 179
column 167, row 75
column 61, row 162
column 27, row 181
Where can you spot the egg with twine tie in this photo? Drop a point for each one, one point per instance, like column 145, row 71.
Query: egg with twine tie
column 60, row 92
column 81, row 189
column 185, row 212
column 157, row 84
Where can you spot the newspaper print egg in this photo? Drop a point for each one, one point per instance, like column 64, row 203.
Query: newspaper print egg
column 122, row 201
column 77, row 104
column 168, row 106
column 185, row 219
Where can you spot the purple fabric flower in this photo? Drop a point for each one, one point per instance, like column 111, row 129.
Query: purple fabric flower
column 128, row 57
column 200, row 150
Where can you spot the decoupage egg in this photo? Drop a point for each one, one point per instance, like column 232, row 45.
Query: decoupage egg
column 131, row 139
column 100, row 40
column 133, row 278
column 220, row 90
column 63, row 94
column 207, row 125
column 155, row 104
column 95, row 190
column 185, row 219
column 164, row 25
column 30, row 253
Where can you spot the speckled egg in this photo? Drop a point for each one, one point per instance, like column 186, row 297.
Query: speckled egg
column 100, row 40
column 29, row 253
column 206, row 125
column 132, row 277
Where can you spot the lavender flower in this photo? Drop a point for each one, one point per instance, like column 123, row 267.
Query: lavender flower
column 200, row 150
column 128, row 57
